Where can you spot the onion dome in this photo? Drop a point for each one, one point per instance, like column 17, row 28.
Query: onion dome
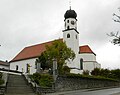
column 70, row 14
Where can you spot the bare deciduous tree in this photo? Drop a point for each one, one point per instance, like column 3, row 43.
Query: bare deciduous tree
column 115, row 36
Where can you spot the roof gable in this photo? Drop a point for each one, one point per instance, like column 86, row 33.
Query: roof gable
column 85, row 49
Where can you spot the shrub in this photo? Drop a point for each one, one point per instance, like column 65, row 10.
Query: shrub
column 89, row 77
column 46, row 80
column 1, row 81
column 85, row 72
column 95, row 72
column 66, row 70
column 43, row 80
column 35, row 77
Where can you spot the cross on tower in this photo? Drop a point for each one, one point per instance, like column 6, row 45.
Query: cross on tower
column 70, row 4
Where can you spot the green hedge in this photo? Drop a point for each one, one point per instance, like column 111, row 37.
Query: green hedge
column 89, row 77
column 43, row 80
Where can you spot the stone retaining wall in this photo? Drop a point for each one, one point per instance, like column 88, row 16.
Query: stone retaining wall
column 67, row 83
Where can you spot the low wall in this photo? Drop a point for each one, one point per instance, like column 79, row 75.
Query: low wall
column 68, row 83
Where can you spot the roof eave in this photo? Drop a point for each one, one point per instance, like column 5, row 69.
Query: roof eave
column 22, row 59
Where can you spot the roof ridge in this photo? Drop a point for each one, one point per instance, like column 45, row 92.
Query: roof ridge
column 43, row 43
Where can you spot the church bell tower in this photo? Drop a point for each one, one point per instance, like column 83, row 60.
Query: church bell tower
column 70, row 33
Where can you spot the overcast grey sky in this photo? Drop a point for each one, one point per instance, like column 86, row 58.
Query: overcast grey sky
column 29, row 22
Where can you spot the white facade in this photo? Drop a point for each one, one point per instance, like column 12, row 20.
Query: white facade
column 89, row 61
column 22, row 65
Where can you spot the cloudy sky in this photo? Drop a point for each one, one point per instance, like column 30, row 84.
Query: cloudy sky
column 29, row 22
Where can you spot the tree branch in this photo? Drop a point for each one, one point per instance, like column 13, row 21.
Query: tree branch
column 118, row 18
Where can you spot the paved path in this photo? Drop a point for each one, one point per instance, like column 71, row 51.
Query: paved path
column 112, row 91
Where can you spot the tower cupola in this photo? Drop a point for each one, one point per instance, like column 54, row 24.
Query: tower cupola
column 70, row 19
column 70, row 14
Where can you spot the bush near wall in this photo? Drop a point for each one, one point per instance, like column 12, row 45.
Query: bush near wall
column 89, row 77
column 1, row 80
column 112, row 74
column 43, row 80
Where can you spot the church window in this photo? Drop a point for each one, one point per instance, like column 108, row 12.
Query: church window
column 67, row 21
column 16, row 67
column 68, row 27
column 76, row 36
column 68, row 35
column 81, row 64
column 27, row 68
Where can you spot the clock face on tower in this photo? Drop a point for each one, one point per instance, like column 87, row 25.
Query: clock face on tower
column 72, row 22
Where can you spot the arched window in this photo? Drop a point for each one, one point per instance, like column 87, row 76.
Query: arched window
column 68, row 27
column 81, row 64
column 68, row 35
column 16, row 67
column 76, row 36
column 67, row 21
column 36, row 65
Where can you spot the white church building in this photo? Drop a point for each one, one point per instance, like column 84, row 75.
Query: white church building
column 85, row 57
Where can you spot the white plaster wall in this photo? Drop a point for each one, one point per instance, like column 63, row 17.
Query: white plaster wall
column 89, row 61
column 74, row 64
column 72, row 42
column 23, row 65
column 91, row 65
column 5, row 67
column 88, row 56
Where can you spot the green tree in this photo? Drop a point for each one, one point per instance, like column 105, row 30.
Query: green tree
column 105, row 73
column 115, row 74
column 42, row 60
column 59, row 51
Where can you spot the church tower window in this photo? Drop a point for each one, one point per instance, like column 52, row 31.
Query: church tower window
column 68, row 27
column 67, row 21
column 76, row 36
column 68, row 35
column 81, row 64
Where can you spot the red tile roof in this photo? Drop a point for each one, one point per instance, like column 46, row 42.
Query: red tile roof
column 85, row 49
column 31, row 51
column 35, row 50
